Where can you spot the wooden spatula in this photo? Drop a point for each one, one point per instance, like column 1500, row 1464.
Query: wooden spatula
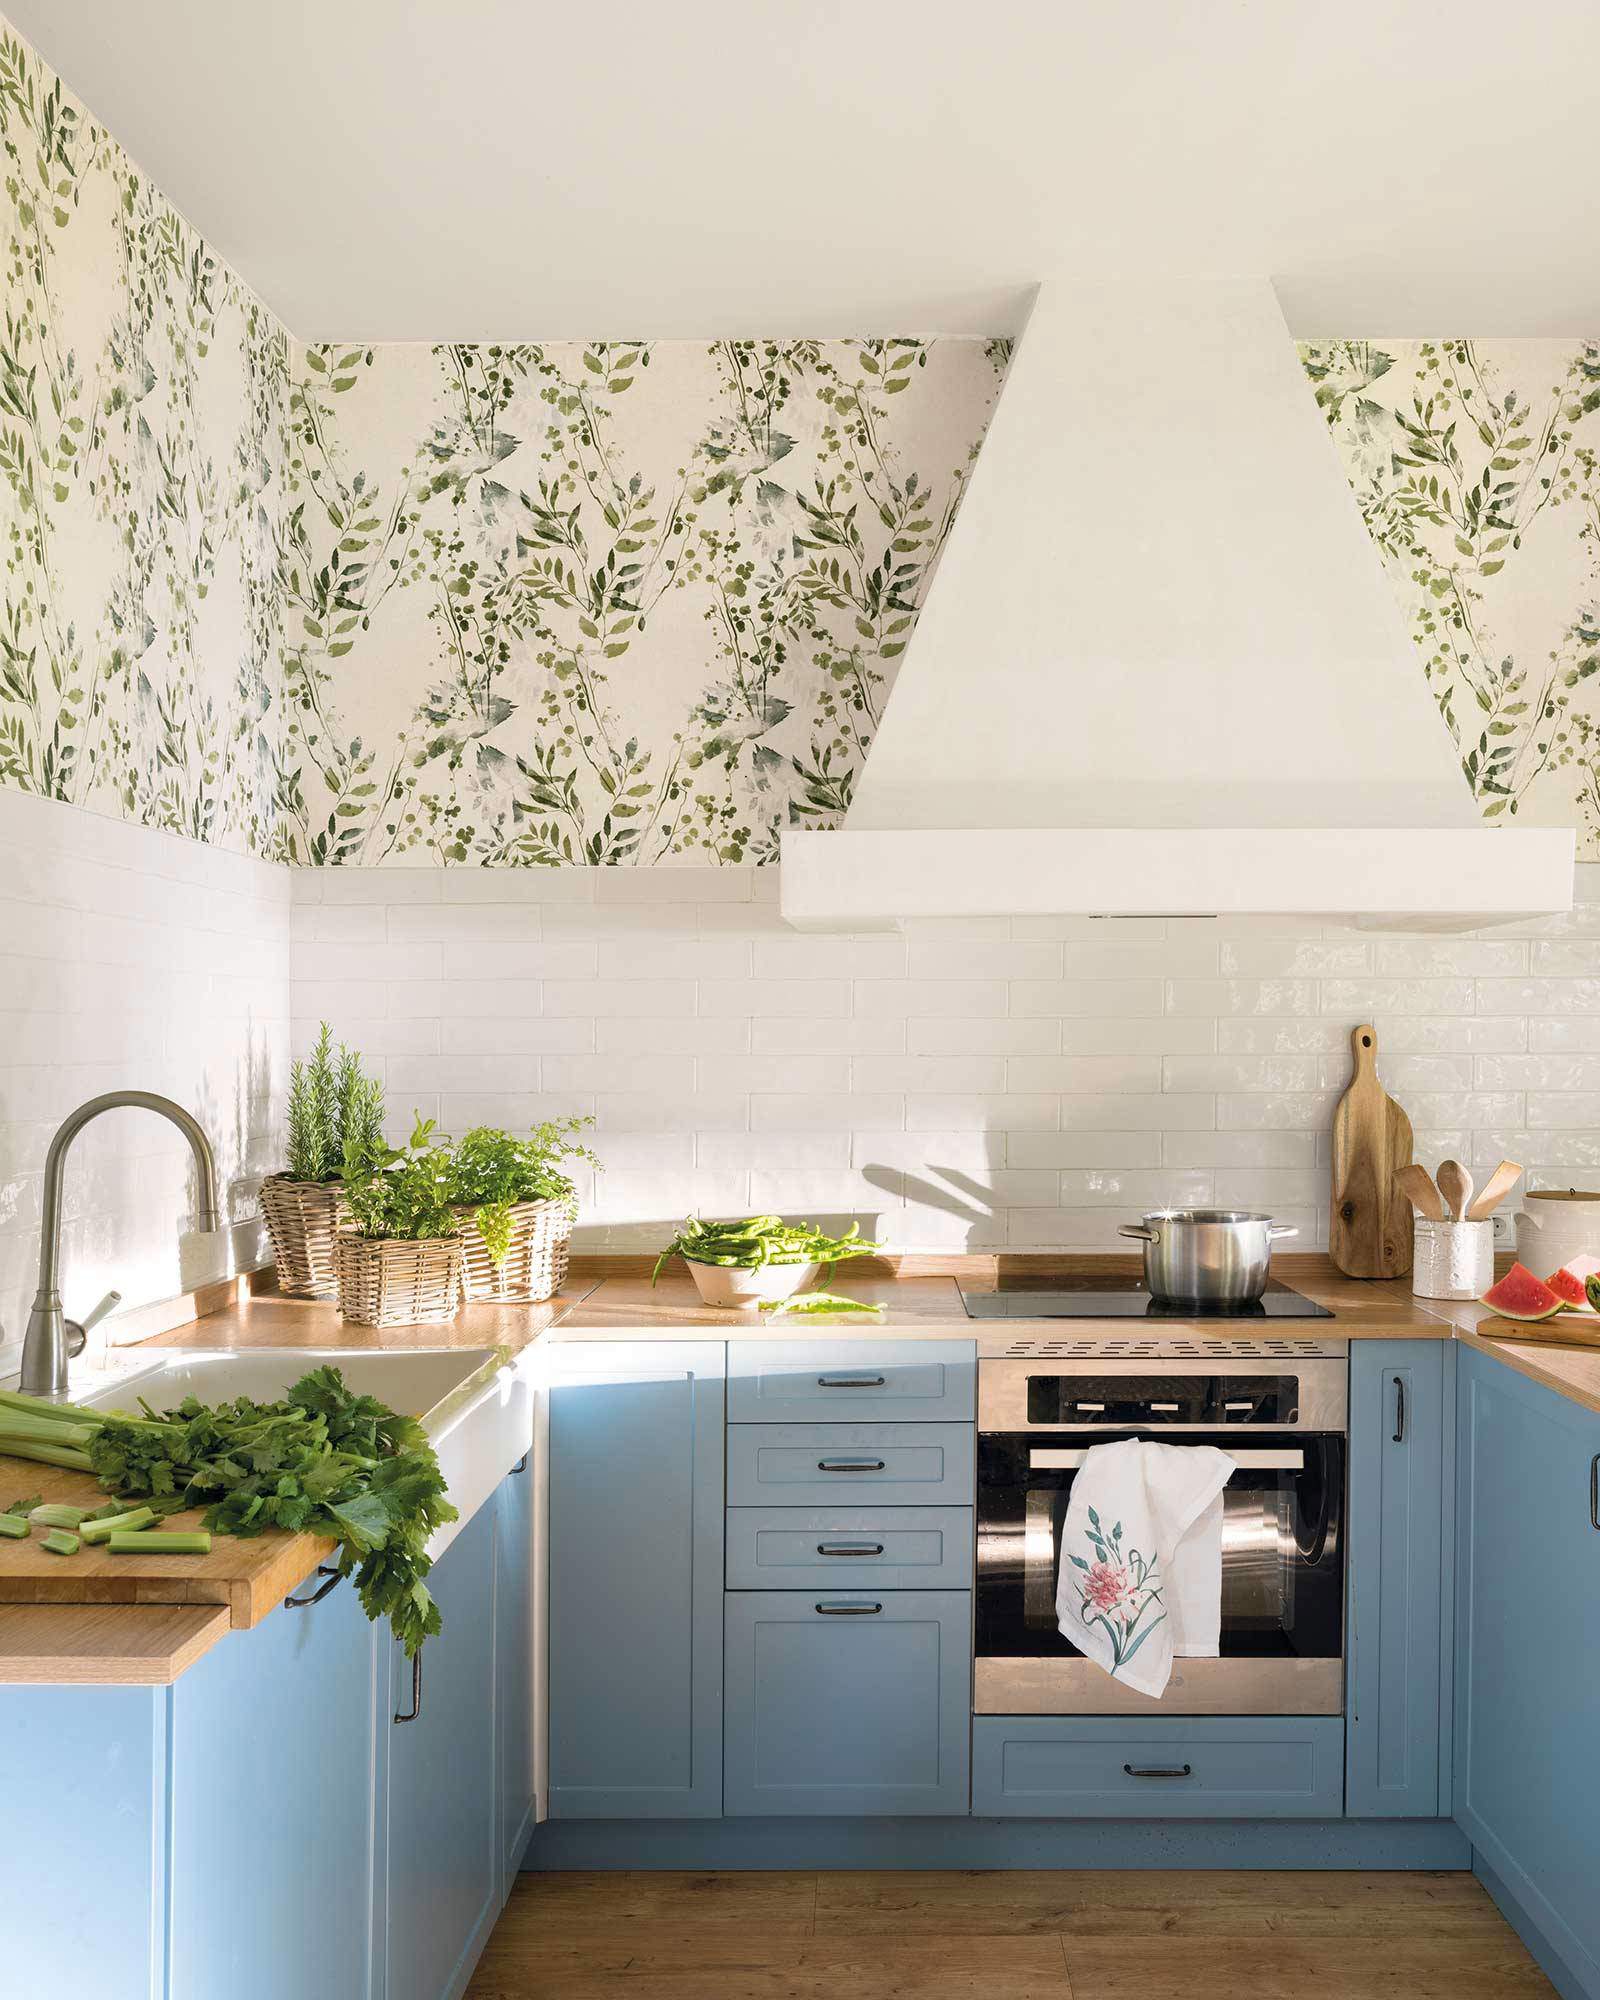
column 1369, row 1228
column 1416, row 1184
column 1494, row 1190
column 1455, row 1185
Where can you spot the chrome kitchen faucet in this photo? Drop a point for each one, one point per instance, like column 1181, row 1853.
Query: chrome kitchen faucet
column 52, row 1339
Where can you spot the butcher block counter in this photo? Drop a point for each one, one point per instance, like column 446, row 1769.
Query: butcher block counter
column 59, row 1616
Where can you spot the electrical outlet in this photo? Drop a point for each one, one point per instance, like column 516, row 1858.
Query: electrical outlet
column 1505, row 1229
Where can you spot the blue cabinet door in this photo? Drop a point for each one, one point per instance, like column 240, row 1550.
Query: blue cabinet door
column 443, row 1853
column 635, row 1608
column 1398, row 1661
column 1527, row 1747
column 848, row 1703
column 271, row 1765
column 513, row 1623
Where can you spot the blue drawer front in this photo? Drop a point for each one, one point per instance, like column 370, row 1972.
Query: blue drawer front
column 844, row 1381
column 821, row 1465
column 841, row 1548
column 1248, row 1767
column 847, row 1702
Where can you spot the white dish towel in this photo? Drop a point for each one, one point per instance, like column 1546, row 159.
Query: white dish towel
column 1140, row 1581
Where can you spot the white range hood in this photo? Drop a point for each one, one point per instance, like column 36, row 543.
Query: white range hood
column 1160, row 669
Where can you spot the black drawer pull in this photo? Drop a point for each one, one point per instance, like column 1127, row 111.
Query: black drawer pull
column 404, row 1715
column 1399, row 1410
column 1158, row 1771
column 1594, row 1490
column 850, row 1465
column 852, row 1381
column 848, row 1610
column 849, row 1548
column 330, row 1576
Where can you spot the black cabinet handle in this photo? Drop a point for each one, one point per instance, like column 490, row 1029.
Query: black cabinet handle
column 848, row 1610
column 850, row 1465
column 1594, row 1490
column 852, row 1381
column 330, row 1577
column 401, row 1715
column 520, row 1466
column 1399, row 1410
column 849, row 1548
column 1158, row 1771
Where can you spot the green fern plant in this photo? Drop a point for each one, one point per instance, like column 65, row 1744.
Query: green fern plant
column 491, row 1171
column 335, row 1113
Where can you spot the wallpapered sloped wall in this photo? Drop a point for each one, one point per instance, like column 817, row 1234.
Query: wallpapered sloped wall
column 143, row 393
column 609, row 603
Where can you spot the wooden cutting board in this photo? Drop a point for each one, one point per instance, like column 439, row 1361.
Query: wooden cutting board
column 1369, row 1229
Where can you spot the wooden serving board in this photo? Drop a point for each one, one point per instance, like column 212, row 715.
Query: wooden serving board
column 1562, row 1330
column 1369, row 1228
column 250, row 1576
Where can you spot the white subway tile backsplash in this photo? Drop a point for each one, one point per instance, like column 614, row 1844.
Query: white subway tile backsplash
column 988, row 1081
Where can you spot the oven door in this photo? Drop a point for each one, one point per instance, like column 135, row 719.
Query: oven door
column 1282, row 1639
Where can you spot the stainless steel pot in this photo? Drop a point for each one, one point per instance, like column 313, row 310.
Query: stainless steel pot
column 1206, row 1256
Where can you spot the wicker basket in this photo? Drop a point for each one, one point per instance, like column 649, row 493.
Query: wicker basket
column 392, row 1282
column 535, row 1267
column 303, row 1218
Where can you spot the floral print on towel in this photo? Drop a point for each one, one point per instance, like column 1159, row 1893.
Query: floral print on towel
column 1119, row 1588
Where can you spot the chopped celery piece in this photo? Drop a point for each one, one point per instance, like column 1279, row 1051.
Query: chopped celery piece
column 60, row 1543
column 56, row 1514
column 108, row 1525
column 154, row 1542
column 14, row 1525
column 43, row 1430
column 47, row 1454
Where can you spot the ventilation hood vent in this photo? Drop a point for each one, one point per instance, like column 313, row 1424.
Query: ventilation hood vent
column 1160, row 669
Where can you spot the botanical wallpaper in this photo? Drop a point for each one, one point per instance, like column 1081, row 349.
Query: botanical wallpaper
column 143, row 391
column 1474, row 463
column 615, row 602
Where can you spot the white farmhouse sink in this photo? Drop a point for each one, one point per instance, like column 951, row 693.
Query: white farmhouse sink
column 475, row 1403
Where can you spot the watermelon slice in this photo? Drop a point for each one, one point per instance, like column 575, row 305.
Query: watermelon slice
column 1520, row 1295
column 1569, row 1288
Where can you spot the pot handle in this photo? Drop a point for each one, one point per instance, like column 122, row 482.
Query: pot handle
column 1277, row 1229
column 1139, row 1231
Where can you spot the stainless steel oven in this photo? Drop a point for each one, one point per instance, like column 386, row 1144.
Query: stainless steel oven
column 1278, row 1408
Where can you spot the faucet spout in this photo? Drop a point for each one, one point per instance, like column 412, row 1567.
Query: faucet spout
column 48, row 1343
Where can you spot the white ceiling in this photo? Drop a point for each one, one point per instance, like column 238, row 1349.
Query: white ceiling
column 425, row 169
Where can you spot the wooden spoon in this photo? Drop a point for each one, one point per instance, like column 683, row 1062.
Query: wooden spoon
column 1494, row 1190
column 1416, row 1184
column 1455, row 1184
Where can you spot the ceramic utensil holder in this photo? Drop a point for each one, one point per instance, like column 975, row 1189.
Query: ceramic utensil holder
column 1452, row 1260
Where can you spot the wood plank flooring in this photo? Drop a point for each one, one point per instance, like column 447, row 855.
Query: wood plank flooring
column 1015, row 1935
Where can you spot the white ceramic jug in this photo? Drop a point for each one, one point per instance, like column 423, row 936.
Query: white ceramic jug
column 1556, row 1225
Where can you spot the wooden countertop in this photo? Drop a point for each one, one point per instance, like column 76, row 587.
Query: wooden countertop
column 96, row 1618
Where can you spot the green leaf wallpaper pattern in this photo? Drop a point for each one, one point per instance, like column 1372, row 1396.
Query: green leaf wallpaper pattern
column 608, row 603
column 143, row 397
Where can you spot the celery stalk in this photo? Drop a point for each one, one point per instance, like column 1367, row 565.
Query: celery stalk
column 56, row 1514
column 152, row 1542
column 14, row 1525
column 42, row 1430
column 47, row 1454
column 60, row 1543
column 13, row 1402
column 116, row 1524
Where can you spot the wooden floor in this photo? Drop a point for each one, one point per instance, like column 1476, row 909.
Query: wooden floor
column 1037, row 1935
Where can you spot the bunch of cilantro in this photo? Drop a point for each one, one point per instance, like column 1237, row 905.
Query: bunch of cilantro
column 323, row 1461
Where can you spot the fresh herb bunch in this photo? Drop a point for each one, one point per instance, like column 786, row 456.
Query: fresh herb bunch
column 490, row 1171
column 335, row 1113
column 406, row 1194
column 323, row 1461
column 760, row 1240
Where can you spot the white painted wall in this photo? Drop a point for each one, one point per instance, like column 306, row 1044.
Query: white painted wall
column 132, row 959
column 1021, row 1082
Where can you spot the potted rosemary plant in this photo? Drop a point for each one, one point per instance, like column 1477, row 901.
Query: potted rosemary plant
column 400, row 1264
column 516, row 1207
column 335, row 1124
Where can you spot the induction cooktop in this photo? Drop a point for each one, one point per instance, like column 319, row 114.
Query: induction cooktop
column 1103, row 1297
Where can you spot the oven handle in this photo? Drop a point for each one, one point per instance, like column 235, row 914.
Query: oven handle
column 1251, row 1461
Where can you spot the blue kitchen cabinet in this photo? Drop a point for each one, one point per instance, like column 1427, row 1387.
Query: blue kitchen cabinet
column 1399, row 1552
column 635, row 1604
column 270, row 1773
column 1527, row 1730
column 514, row 1668
column 442, row 1847
column 848, row 1702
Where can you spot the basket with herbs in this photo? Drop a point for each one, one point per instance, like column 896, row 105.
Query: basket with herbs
column 335, row 1127
column 515, row 1208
